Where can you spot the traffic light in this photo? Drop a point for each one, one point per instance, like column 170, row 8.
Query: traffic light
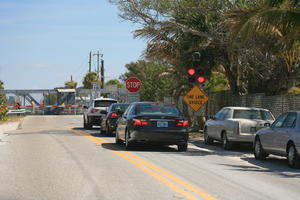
column 198, row 72
column 191, row 74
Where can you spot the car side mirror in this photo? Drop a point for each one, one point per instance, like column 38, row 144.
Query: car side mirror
column 267, row 124
column 85, row 107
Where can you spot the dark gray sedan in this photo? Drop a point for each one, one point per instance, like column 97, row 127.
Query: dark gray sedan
column 281, row 138
column 147, row 122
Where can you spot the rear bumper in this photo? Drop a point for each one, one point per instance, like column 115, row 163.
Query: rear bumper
column 167, row 138
column 95, row 120
column 243, row 137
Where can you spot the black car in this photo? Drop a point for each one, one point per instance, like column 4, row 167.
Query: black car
column 114, row 112
column 147, row 122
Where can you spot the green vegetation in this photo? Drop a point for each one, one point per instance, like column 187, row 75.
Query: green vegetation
column 114, row 82
column 71, row 84
column 153, row 75
column 294, row 90
column 11, row 119
column 89, row 78
column 255, row 41
column 3, row 111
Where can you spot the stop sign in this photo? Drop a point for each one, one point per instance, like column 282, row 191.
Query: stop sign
column 133, row 84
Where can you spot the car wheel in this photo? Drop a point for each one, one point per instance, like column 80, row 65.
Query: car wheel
column 293, row 157
column 89, row 124
column 259, row 152
column 108, row 131
column 102, row 130
column 84, row 123
column 226, row 144
column 182, row 147
column 117, row 139
column 207, row 139
column 128, row 144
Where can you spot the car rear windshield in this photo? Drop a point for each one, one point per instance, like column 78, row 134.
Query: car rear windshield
column 121, row 107
column 157, row 109
column 104, row 103
column 252, row 114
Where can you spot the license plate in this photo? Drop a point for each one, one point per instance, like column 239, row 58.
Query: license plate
column 162, row 124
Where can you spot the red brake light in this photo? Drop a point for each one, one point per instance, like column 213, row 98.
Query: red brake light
column 137, row 122
column 114, row 115
column 94, row 110
column 183, row 123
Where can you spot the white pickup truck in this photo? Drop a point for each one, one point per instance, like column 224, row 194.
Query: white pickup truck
column 236, row 124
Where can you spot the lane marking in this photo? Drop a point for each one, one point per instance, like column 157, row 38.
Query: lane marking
column 141, row 163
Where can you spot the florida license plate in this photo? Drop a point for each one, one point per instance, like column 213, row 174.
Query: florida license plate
column 162, row 124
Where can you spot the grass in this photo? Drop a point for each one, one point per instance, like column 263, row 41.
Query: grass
column 12, row 119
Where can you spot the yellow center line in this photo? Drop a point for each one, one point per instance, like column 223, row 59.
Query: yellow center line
column 141, row 163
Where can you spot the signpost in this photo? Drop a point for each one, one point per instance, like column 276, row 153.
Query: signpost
column 195, row 98
column 133, row 84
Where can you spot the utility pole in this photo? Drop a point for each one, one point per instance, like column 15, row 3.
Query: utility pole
column 102, row 73
column 101, row 76
column 90, row 62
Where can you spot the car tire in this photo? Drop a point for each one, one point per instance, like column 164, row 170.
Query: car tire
column 182, row 147
column 259, row 152
column 84, row 123
column 207, row 139
column 108, row 131
column 128, row 144
column 226, row 144
column 102, row 131
column 117, row 139
column 293, row 157
column 89, row 124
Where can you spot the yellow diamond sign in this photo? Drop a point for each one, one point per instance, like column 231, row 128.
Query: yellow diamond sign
column 195, row 98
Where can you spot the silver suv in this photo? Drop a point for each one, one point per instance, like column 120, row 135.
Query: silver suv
column 236, row 124
column 94, row 113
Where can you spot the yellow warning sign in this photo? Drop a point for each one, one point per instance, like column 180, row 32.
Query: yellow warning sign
column 195, row 98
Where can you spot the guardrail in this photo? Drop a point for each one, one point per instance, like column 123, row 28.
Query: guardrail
column 17, row 112
column 44, row 110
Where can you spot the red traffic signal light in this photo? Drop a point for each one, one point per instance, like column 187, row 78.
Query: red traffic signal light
column 201, row 79
column 191, row 71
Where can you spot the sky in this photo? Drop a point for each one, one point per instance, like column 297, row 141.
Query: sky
column 44, row 42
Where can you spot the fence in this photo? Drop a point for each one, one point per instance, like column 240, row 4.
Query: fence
column 276, row 104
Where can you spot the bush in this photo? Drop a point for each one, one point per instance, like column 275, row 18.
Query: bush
column 3, row 113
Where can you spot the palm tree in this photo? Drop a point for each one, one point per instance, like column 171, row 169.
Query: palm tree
column 277, row 19
column 89, row 79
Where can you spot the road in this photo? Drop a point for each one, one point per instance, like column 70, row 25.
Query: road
column 52, row 157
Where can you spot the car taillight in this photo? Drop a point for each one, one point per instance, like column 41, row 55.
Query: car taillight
column 138, row 122
column 94, row 110
column 182, row 123
column 114, row 115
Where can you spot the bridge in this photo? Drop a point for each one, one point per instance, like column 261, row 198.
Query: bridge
column 70, row 96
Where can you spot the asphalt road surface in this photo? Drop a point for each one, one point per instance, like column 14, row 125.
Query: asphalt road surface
column 53, row 157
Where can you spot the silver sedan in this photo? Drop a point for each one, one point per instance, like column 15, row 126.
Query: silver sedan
column 282, row 138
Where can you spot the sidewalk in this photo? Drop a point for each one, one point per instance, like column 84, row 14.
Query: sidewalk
column 10, row 126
